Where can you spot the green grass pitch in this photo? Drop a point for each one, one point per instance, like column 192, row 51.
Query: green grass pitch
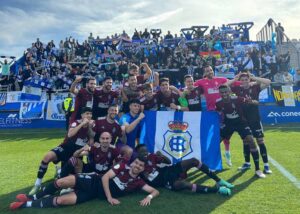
column 22, row 150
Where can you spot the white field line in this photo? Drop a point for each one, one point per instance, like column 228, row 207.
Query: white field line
column 285, row 173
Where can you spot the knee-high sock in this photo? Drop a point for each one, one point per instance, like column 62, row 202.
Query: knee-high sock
column 42, row 170
column 255, row 157
column 45, row 202
column 246, row 148
column 203, row 189
column 207, row 171
column 263, row 152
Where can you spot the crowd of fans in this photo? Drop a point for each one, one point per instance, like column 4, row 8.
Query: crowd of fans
column 55, row 67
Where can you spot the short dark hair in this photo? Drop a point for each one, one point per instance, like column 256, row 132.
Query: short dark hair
column 86, row 109
column 142, row 159
column 134, row 101
column 163, row 80
column 187, row 76
column 90, row 78
column 107, row 78
column 223, row 86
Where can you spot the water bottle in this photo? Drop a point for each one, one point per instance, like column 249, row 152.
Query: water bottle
column 203, row 103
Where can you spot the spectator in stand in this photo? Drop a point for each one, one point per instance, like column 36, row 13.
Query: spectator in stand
column 297, row 78
column 287, row 78
column 278, row 77
column 213, row 31
column 169, row 35
column 280, row 33
column 5, row 71
column 136, row 35
column 146, row 34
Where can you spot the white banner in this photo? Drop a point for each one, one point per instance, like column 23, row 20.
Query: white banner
column 15, row 97
column 289, row 100
column 54, row 109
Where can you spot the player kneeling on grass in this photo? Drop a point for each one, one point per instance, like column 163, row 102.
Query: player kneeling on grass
column 118, row 181
column 173, row 177
column 77, row 137
column 102, row 156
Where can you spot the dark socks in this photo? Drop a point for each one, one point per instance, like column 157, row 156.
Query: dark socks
column 203, row 189
column 42, row 169
column 45, row 202
column 210, row 174
column 263, row 152
column 247, row 152
column 255, row 157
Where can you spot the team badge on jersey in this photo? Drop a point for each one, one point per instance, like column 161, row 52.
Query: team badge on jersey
column 177, row 140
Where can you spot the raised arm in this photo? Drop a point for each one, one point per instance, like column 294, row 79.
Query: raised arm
column 73, row 88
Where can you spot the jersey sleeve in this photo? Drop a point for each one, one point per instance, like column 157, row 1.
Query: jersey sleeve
column 118, row 168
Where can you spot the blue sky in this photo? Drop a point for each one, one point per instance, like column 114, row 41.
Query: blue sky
column 23, row 21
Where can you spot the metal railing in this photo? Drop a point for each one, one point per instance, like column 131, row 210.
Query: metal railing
column 271, row 29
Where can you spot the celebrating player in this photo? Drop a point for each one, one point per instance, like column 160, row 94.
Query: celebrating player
column 173, row 177
column 121, row 179
column 230, row 108
column 77, row 137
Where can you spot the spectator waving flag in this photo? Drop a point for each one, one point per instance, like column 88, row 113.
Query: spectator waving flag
column 31, row 91
column 184, row 135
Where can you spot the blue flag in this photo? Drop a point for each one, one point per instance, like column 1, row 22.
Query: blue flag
column 184, row 135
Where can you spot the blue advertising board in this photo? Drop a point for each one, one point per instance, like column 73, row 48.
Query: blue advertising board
column 279, row 114
column 11, row 120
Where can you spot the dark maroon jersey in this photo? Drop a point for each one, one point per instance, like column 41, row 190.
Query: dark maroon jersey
column 102, row 161
column 151, row 168
column 232, row 110
column 102, row 101
column 79, row 139
column 164, row 101
column 150, row 104
column 124, row 181
column 84, row 98
column 251, row 112
column 253, row 91
column 103, row 125
column 194, row 99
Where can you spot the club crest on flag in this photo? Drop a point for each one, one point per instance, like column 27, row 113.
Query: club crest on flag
column 177, row 140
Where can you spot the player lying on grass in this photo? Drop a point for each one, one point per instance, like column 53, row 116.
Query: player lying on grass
column 77, row 137
column 118, row 181
column 230, row 108
column 174, row 177
column 102, row 156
